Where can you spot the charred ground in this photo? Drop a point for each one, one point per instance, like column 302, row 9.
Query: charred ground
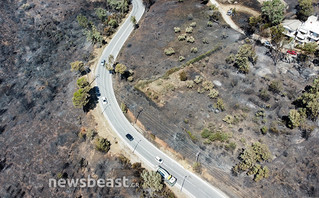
column 176, row 114
column 39, row 126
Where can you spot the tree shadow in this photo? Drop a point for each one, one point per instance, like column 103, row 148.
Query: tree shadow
column 93, row 99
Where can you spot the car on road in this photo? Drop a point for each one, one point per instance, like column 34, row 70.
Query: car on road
column 158, row 159
column 129, row 137
column 267, row 44
column 292, row 52
column 170, row 179
column 104, row 100
column 102, row 62
column 230, row 12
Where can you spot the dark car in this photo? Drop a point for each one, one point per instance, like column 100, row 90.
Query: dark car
column 129, row 137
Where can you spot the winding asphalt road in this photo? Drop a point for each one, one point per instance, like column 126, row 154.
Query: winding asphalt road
column 187, row 181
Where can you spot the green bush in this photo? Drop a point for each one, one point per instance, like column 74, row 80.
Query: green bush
column 183, row 76
column 177, row 29
column 275, row 86
column 220, row 104
column 81, row 97
column 205, row 41
column 101, row 14
column 229, row 119
column 218, row 136
column 245, row 54
column 213, row 93
column 82, row 20
column 198, row 79
column 190, row 39
column 82, row 82
column 231, row 146
column 189, row 30
column 197, row 167
column 102, row 144
column 123, row 107
column 182, row 37
column 264, row 95
column 169, row 51
column 205, row 133
column 193, row 24
column 209, row 24
column 181, row 58
column 207, row 85
column 294, row 118
column 194, row 50
column 264, row 130
column 230, row 59
column 251, row 157
column 190, row 84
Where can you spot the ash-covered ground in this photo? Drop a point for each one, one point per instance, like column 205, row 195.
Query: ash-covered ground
column 177, row 114
column 39, row 126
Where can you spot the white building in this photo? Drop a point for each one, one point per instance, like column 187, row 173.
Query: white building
column 303, row 32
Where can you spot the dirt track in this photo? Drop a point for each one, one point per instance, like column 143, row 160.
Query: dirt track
column 223, row 8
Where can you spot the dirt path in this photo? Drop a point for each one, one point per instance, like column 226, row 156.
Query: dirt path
column 223, row 8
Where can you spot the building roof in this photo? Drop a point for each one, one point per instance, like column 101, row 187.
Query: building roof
column 292, row 24
column 312, row 24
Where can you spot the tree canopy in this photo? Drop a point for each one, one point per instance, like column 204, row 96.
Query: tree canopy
column 152, row 180
column 82, row 82
column 77, row 66
column 273, row 11
column 101, row 14
column 310, row 100
column 80, row 97
column 120, row 68
column 304, row 9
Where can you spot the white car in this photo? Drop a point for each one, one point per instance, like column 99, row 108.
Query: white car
column 158, row 159
column 102, row 62
column 104, row 100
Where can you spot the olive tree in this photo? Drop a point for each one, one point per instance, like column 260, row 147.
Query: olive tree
column 152, row 180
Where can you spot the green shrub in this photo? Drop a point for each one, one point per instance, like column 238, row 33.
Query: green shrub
column 264, row 130
column 208, row 85
column 213, row 93
column 194, row 50
column 123, row 107
column 190, row 84
column 169, row 51
column 275, row 86
column 294, row 118
column 229, row 119
column 181, row 58
column 231, row 146
column 260, row 113
column 218, row 136
column 251, row 157
column 190, row 39
column 183, row 76
column 230, row 59
column 102, row 144
column 182, row 37
column 193, row 138
column 205, row 133
column 198, row 79
column 189, row 30
column 177, row 29
column 209, row 24
column 220, row 104
column 197, row 167
column 205, row 41
column 264, row 95
column 193, row 24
